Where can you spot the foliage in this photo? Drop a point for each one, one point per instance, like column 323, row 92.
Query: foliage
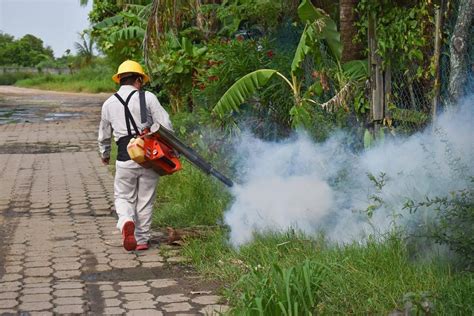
column 234, row 13
column 376, row 277
column 319, row 28
column 11, row 78
column 102, row 10
column 177, row 70
column 85, row 48
column 120, row 36
column 94, row 78
column 401, row 31
column 281, row 291
column 454, row 222
column 27, row 51
column 226, row 61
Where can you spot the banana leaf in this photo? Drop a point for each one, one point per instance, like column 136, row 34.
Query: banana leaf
column 108, row 22
column 241, row 90
column 301, row 51
column 328, row 29
column 128, row 33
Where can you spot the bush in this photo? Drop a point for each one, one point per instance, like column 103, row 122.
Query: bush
column 12, row 78
column 454, row 222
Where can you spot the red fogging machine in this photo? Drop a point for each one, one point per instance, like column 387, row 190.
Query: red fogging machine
column 159, row 149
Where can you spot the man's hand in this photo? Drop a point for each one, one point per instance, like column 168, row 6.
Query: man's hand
column 105, row 161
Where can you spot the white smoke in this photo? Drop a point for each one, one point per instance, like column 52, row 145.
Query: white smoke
column 299, row 184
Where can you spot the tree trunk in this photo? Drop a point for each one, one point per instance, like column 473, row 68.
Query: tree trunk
column 458, row 50
column 348, row 17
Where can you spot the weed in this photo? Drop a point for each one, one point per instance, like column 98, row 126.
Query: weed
column 376, row 277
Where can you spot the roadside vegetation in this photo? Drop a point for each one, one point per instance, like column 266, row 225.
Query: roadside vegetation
column 270, row 68
column 93, row 79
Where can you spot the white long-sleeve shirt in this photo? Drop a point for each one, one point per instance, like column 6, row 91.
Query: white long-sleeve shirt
column 113, row 119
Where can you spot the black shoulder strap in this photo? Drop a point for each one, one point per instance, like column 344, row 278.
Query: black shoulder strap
column 143, row 114
column 128, row 115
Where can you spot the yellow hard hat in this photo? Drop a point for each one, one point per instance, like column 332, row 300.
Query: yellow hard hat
column 130, row 66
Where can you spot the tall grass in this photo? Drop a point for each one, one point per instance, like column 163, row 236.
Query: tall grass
column 293, row 274
column 93, row 79
column 189, row 198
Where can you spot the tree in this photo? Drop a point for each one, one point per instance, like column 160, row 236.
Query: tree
column 458, row 50
column 85, row 48
column 348, row 17
column 27, row 51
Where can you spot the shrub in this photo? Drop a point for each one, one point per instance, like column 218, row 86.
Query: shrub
column 454, row 222
column 12, row 78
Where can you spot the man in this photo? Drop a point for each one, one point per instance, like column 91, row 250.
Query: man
column 134, row 186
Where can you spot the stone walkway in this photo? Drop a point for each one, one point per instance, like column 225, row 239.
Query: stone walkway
column 59, row 250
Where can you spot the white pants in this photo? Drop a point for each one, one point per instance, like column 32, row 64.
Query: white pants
column 134, row 190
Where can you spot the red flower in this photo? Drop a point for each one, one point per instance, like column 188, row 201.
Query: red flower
column 270, row 54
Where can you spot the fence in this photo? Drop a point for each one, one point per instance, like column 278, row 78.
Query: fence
column 411, row 101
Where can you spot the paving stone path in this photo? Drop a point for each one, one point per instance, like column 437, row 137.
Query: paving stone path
column 59, row 250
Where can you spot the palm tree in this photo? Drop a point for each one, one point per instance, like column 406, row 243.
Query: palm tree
column 85, row 48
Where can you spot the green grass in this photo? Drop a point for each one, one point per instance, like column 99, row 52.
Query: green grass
column 92, row 79
column 188, row 198
column 293, row 274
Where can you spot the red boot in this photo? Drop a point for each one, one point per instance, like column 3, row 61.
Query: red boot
column 128, row 233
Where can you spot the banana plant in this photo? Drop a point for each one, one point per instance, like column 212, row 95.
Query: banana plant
column 123, row 33
column 319, row 28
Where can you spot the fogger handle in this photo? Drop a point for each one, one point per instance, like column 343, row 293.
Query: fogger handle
column 190, row 154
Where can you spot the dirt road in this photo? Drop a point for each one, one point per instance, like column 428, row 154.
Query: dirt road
column 59, row 250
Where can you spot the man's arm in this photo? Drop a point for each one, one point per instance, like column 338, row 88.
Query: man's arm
column 157, row 112
column 105, row 137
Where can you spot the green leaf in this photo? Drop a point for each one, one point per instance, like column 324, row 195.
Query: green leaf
column 300, row 52
column 187, row 46
column 108, row 22
column 244, row 88
column 306, row 12
column 356, row 69
column 128, row 33
column 200, row 51
column 368, row 139
column 178, row 69
column 309, row 14
column 300, row 116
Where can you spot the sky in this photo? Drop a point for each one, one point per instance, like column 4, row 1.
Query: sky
column 56, row 22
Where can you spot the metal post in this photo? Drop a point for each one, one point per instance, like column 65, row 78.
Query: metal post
column 436, row 57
